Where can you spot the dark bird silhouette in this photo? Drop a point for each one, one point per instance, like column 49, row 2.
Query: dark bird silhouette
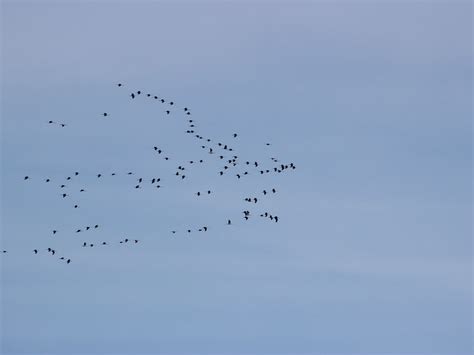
column 132, row 95
column 26, row 178
column 235, row 135
column 68, row 261
column 105, row 114
column 35, row 251
column 273, row 190
column 119, row 84
column 229, row 222
column 55, row 231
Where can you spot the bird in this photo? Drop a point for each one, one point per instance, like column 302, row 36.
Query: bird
column 26, row 178
column 68, row 261
column 264, row 192
column 229, row 222
column 119, row 84
column 273, row 190
column 105, row 114
column 235, row 135
column 35, row 251
column 55, row 231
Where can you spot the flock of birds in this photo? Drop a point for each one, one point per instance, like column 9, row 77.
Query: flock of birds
column 231, row 164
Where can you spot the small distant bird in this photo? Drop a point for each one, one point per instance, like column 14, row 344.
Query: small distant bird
column 35, row 251
column 99, row 175
column 132, row 95
column 235, row 135
column 229, row 222
column 78, row 231
column 205, row 229
column 26, row 178
column 64, row 195
column 104, row 243
column 119, row 84
column 76, row 206
column 55, row 231
column 68, row 261
column 273, row 190
column 47, row 180
column 264, row 192
column 84, row 245
column 96, row 226
column 105, row 114
column 136, row 241
column 171, row 103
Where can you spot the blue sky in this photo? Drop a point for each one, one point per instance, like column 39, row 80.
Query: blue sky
column 370, row 100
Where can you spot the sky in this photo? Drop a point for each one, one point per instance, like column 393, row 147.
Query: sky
column 372, row 102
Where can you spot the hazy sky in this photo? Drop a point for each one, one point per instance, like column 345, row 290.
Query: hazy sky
column 370, row 100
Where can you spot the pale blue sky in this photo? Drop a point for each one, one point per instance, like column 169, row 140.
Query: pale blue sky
column 370, row 100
